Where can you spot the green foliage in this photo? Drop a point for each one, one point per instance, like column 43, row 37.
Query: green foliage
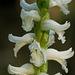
column 43, row 4
column 44, row 67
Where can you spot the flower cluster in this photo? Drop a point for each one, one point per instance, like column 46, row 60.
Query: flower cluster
column 46, row 29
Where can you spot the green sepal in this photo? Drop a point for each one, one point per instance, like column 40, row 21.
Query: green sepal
column 44, row 67
column 44, row 14
column 44, row 38
column 43, row 4
column 38, row 32
column 37, row 70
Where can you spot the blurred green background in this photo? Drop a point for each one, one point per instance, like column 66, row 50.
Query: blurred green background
column 10, row 22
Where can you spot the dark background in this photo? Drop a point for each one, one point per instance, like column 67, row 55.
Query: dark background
column 10, row 22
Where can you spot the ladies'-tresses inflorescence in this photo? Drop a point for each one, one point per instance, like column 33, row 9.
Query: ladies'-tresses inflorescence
column 42, row 38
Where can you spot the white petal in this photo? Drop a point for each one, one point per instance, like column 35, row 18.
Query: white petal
column 60, row 56
column 52, row 3
column 58, row 2
column 51, row 40
column 62, row 4
column 59, row 29
column 42, row 73
column 51, row 32
column 25, row 69
column 27, row 19
column 64, row 9
column 38, row 54
column 53, row 53
column 34, row 46
column 33, row 13
column 27, row 6
column 61, row 36
column 58, row 73
column 21, row 41
column 63, row 1
column 37, row 58
column 51, row 24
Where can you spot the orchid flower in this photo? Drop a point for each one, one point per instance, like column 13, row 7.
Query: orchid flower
column 59, row 29
column 21, row 41
column 63, row 4
column 27, row 19
column 27, row 6
column 26, row 69
column 38, row 55
column 60, row 56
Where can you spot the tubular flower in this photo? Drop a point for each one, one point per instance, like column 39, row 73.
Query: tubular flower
column 27, row 19
column 21, row 41
column 26, row 69
column 27, row 6
column 59, row 29
column 38, row 55
column 63, row 4
column 60, row 56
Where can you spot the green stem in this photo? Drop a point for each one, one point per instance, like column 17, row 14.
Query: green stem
column 42, row 36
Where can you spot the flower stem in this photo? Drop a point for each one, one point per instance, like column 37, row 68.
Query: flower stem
column 42, row 36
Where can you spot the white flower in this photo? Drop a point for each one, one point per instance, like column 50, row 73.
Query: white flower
column 60, row 56
column 58, row 73
column 27, row 6
column 42, row 73
column 27, row 19
column 21, row 41
column 26, row 69
column 38, row 55
column 59, row 29
column 62, row 4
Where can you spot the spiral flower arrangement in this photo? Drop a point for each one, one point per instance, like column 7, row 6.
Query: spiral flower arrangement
column 42, row 38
